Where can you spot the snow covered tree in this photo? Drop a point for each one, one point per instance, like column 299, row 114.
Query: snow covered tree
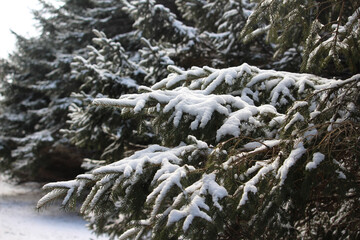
column 30, row 114
column 326, row 34
column 163, row 28
column 111, row 71
column 246, row 153
column 112, row 66
column 224, row 21
column 206, row 152
column 37, row 84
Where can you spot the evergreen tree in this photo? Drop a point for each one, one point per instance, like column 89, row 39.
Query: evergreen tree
column 115, row 64
column 111, row 71
column 245, row 153
column 325, row 34
column 37, row 84
column 66, row 32
column 208, row 151
column 242, row 157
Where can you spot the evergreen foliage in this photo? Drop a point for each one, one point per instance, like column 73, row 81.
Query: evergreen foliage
column 64, row 80
column 184, row 140
column 325, row 33
column 244, row 158
column 121, row 63
column 111, row 71
column 37, row 83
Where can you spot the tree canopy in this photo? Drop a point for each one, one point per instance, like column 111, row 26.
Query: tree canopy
column 188, row 125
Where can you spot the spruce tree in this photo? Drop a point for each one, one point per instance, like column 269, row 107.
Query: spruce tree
column 112, row 71
column 37, row 84
column 241, row 157
column 186, row 146
column 245, row 153
column 324, row 34
column 117, row 63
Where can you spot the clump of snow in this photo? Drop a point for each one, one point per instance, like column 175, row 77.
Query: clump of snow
column 190, row 212
column 341, row 174
column 213, row 188
column 295, row 154
column 296, row 118
column 317, row 159
column 167, row 181
column 250, row 186
column 311, row 132
column 206, row 185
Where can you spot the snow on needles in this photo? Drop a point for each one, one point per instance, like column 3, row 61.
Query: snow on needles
column 317, row 159
column 294, row 156
column 262, row 110
column 207, row 185
column 208, row 92
column 169, row 174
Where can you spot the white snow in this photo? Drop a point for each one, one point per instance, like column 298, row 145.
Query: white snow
column 190, row 212
column 232, row 125
column 213, row 188
column 129, row 82
column 169, row 181
column 196, row 193
column 314, row 114
column 128, row 233
column 296, row 118
column 259, row 146
column 200, row 144
column 311, row 133
column 295, row 154
column 154, row 154
column 20, row 221
column 298, row 104
column 317, row 159
column 341, row 174
column 250, row 186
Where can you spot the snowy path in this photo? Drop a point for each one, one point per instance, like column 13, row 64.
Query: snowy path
column 19, row 220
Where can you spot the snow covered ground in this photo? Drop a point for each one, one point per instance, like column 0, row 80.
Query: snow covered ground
column 19, row 220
